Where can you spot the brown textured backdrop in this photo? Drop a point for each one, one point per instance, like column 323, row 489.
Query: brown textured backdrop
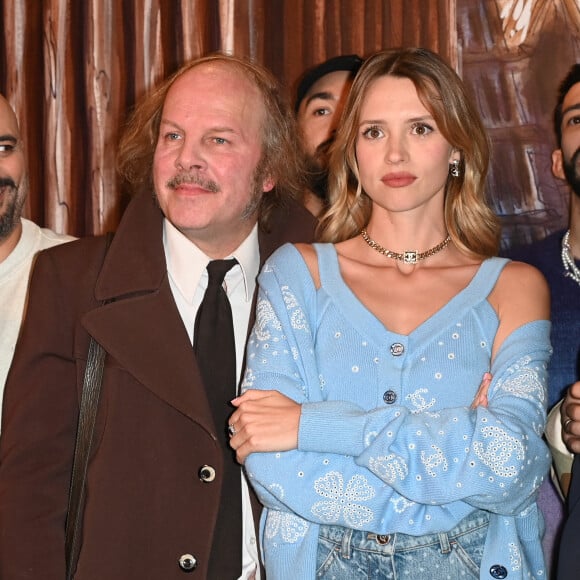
column 73, row 69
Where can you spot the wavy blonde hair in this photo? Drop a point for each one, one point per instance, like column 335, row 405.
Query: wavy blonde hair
column 281, row 157
column 470, row 221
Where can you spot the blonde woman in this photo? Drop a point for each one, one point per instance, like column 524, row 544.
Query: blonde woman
column 363, row 427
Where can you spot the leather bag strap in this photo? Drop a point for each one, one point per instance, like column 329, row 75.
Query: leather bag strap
column 86, row 423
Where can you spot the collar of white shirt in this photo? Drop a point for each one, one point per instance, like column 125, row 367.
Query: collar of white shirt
column 186, row 263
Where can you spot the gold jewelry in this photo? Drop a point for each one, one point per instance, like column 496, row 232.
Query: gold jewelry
column 572, row 271
column 408, row 257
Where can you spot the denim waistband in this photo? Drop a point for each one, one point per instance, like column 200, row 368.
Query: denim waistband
column 390, row 543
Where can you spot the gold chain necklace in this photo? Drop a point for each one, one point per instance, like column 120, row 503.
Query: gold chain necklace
column 408, row 257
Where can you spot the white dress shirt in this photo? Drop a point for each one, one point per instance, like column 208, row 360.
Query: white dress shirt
column 186, row 265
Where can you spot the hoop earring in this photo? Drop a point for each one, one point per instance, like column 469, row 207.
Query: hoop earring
column 454, row 169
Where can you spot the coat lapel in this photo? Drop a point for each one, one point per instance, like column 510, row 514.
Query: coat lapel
column 141, row 326
column 145, row 334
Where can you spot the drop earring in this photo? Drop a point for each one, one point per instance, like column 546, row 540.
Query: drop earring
column 454, row 170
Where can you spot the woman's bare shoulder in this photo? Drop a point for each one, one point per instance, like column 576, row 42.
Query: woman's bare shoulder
column 521, row 295
column 525, row 279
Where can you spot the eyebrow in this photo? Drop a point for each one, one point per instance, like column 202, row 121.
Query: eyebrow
column 323, row 95
column 217, row 128
column 574, row 107
column 164, row 121
column 9, row 138
column 423, row 118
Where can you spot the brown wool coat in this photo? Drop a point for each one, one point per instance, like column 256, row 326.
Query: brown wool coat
column 146, row 505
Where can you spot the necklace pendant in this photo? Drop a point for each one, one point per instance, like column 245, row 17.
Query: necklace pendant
column 410, row 257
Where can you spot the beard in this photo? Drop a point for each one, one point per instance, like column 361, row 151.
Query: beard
column 571, row 172
column 12, row 197
column 318, row 181
column 317, row 169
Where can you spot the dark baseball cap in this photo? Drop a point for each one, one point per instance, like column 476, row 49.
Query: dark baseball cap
column 347, row 62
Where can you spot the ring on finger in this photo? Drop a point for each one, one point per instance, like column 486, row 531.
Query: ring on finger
column 231, row 430
column 566, row 423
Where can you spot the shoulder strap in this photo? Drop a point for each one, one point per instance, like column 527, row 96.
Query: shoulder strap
column 86, row 423
column 487, row 275
column 328, row 266
column 311, row 259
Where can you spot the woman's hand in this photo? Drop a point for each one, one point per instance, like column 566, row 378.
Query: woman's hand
column 263, row 421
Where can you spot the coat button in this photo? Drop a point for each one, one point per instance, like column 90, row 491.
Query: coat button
column 187, row 563
column 389, row 397
column 498, row 572
column 206, row 473
column 397, row 349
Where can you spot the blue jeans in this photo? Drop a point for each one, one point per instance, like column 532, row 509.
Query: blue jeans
column 345, row 554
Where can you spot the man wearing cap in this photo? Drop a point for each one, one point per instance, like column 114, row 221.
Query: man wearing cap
column 320, row 96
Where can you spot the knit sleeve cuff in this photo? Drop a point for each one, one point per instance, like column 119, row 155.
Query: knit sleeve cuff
column 331, row 427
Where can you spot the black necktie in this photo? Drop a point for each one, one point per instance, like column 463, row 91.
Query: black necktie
column 215, row 350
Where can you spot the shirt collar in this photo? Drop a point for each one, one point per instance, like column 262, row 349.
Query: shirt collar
column 186, row 263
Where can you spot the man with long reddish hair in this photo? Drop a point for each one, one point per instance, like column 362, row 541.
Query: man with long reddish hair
column 213, row 153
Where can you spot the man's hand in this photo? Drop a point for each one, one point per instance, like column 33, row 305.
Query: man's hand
column 263, row 421
column 570, row 418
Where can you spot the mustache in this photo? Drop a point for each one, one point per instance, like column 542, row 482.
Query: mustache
column 7, row 182
column 193, row 179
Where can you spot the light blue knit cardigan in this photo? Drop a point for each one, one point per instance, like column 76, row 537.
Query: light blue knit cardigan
column 387, row 440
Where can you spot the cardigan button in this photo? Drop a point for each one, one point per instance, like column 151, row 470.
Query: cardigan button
column 206, row 473
column 498, row 572
column 397, row 349
column 187, row 563
column 389, row 397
